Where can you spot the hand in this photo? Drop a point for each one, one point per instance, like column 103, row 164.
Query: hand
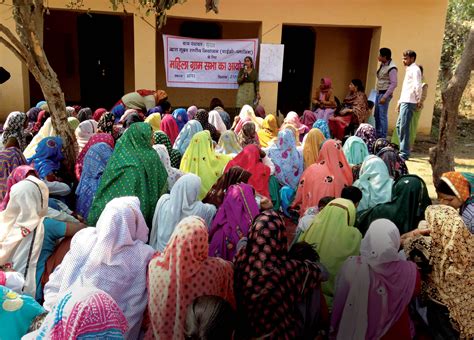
column 78, row 217
column 258, row 96
column 419, row 106
column 345, row 111
column 412, row 234
column 382, row 100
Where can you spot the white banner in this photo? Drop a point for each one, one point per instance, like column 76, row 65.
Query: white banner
column 205, row 63
column 271, row 62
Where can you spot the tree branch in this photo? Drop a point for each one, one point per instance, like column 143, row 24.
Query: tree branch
column 14, row 40
column 13, row 49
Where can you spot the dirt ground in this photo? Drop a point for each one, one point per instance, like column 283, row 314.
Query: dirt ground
column 464, row 155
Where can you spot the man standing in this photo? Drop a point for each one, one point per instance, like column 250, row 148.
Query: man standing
column 386, row 84
column 409, row 101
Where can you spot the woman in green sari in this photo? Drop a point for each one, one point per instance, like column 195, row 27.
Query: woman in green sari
column 406, row 208
column 335, row 238
column 134, row 169
column 248, row 92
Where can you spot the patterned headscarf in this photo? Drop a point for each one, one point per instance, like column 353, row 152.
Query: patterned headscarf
column 201, row 160
column 288, row 161
column 14, row 127
column 232, row 176
column 10, row 158
column 228, row 143
column 458, row 184
column 202, row 116
column 396, row 165
column 182, row 272
column 450, row 280
column 135, row 170
column 367, row 133
column 184, row 138
column 181, row 117
column 248, row 135
column 113, row 252
column 323, row 126
column 175, row 156
column 267, row 282
column 97, row 138
column 106, row 123
column 17, row 175
column 94, row 164
column 48, row 156
column 87, row 312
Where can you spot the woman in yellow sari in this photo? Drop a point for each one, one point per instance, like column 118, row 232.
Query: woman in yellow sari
column 268, row 131
column 201, row 159
column 312, row 144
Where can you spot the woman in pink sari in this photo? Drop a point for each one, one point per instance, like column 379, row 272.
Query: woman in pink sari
column 17, row 175
column 324, row 101
column 293, row 119
column 373, row 290
column 170, row 127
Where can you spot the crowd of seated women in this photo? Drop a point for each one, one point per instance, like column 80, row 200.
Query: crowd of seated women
column 187, row 224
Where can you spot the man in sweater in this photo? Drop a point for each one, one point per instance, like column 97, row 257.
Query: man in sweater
column 386, row 84
column 409, row 100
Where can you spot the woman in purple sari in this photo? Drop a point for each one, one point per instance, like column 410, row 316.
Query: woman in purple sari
column 373, row 290
column 232, row 221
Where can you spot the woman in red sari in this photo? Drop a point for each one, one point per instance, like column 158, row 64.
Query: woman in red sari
column 355, row 110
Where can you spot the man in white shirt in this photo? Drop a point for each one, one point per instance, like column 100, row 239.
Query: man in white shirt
column 409, row 100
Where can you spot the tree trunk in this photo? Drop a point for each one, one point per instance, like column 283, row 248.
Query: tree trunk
column 28, row 15
column 441, row 156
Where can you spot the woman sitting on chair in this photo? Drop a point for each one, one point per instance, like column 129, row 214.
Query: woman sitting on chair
column 355, row 111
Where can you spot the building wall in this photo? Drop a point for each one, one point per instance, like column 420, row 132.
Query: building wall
column 402, row 24
column 342, row 54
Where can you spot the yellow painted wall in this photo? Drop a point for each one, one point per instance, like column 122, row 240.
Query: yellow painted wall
column 342, row 54
column 403, row 24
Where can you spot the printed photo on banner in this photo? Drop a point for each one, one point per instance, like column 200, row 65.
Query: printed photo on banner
column 205, row 63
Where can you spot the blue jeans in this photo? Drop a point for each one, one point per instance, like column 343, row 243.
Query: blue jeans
column 381, row 116
column 403, row 128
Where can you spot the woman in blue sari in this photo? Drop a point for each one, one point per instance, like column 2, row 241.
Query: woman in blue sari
column 94, row 165
column 181, row 117
column 48, row 156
